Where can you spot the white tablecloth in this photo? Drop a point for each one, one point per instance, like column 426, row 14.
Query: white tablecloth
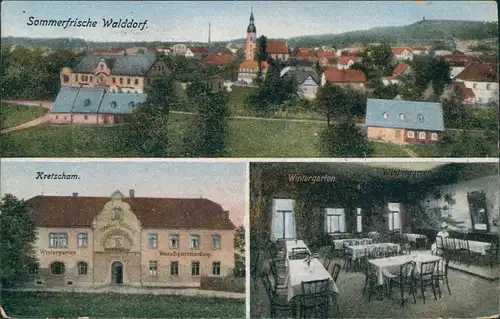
column 359, row 251
column 479, row 247
column 291, row 244
column 413, row 237
column 389, row 266
column 298, row 271
column 339, row 243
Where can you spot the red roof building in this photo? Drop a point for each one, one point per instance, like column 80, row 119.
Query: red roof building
column 278, row 50
column 216, row 59
column 400, row 69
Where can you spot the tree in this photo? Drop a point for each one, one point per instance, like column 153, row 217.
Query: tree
column 387, row 92
column 437, row 73
column 345, row 139
column 210, row 128
column 470, row 144
column 147, row 129
column 339, row 103
column 17, row 241
column 382, row 58
column 239, row 239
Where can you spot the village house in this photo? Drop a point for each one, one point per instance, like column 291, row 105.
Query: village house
column 83, row 105
column 189, row 54
column 136, row 51
column 345, row 62
column 307, row 80
column 127, row 74
column 327, row 59
column 248, row 71
column 402, row 53
column 199, row 52
column 306, row 54
column 482, row 78
column 162, row 49
column 404, row 122
column 94, row 242
column 179, row 49
column 348, row 52
column 441, row 52
column 421, row 50
column 346, row 78
column 219, row 60
column 278, row 50
column 464, row 94
column 401, row 69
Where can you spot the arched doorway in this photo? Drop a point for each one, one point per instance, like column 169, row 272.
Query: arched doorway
column 117, row 273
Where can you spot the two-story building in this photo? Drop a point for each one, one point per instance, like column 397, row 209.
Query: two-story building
column 345, row 62
column 404, row 122
column 249, row 70
column 278, row 50
column 306, row 79
column 354, row 79
column 133, row 241
column 482, row 78
column 122, row 74
column 402, row 53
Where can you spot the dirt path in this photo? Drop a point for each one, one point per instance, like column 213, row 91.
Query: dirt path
column 35, row 122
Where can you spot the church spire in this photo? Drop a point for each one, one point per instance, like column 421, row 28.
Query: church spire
column 251, row 27
column 251, row 15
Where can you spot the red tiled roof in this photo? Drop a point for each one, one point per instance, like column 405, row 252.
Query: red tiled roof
column 400, row 68
column 277, row 47
column 176, row 213
column 324, row 54
column 199, row 50
column 467, row 93
column 399, row 51
column 222, row 59
column 344, row 60
column 253, row 65
column 303, row 50
column 305, row 54
column 344, row 76
column 479, row 72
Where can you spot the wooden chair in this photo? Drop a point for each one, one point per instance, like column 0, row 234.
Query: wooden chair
column 347, row 258
column 492, row 254
column 315, row 296
column 426, row 277
column 441, row 274
column 404, row 279
column 335, row 275
column 328, row 258
column 277, row 302
column 299, row 253
column 463, row 251
column 371, row 282
column 279, row 273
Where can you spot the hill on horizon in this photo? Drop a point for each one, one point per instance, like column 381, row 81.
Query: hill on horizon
column 421, row 32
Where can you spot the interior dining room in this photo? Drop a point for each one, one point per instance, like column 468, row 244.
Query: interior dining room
column 374, row 240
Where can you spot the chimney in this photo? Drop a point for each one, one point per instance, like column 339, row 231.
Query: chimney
column 75, row 194
column 131, row 193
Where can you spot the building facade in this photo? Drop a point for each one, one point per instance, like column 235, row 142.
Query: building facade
column 404, row 122
column 138, row 242
column 482, row 79
column 250, row 40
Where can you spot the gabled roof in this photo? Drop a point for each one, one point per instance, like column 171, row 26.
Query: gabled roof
column 416, row 115
column 218, row 59
column 344, row 60
column 121, row 103
column 479, row 72
column 88, row 100
column 325, row 54
column 467, row 93
column 172, row 213
column 399, row 51
column 344, row 76
column 65, row 99
column 277, row 47
column 301, row 75
column 253, row 65
column 305, row 54
column 400, row 68
column 120, row 65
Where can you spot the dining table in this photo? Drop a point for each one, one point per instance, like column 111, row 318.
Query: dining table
column 291, row 244
column 358, row 251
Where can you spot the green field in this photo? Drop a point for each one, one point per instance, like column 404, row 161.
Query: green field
column 13, row 115
column 59, row 305
column 248, row 138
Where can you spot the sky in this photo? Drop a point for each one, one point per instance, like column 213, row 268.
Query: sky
column 223, row 183
column 188, row 20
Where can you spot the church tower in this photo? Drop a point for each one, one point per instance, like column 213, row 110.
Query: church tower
column 251, row 39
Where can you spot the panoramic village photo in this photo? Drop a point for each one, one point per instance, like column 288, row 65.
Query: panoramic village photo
column 374, row 240
column 249, row 79
column 82, row 239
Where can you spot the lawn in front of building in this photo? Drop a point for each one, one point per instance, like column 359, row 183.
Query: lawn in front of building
column 13, row 115
column 112, row 305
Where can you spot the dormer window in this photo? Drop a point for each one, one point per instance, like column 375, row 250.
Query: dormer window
column 86, row 102
column 131, row 104
column 386, row 116
column 117, row 213
column 420, row 117
column 401, row 116
column 113, row 104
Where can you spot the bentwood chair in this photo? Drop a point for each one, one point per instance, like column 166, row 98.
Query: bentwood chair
column 277, row 302
column 404, row 280
column 441, row 274
column 371, row 282
column 492, row 254
column 335, row 275
column 328, row 258
column 279, row 273
column 315, row 298
column 426, row 277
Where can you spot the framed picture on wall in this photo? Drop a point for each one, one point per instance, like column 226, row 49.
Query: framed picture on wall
column 478, row 211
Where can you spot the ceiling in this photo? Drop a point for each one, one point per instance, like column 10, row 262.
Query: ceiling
column 406, row 166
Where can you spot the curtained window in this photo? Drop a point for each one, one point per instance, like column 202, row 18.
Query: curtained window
column 335, row 220
column 283, row 221
column 394, row 217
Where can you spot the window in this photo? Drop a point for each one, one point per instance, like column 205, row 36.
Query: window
column 121, row 80
column 82, row 268
column 420, row 117
column 57, row 117
column 434, row 136
column 76, row 77
column 117, row 241
column 131, row 104
column 194, row 241
column 113, row 104
column 394, row 217
column 386, row 116
column 58, row 240
column 86, row 102
column 153, row 267
column 84, row 77
column 474, row 85
column 65, row 117
column 91, row 78
column 33, row 269
column 335, row 220
column 86, row 117
column 174, row 241
column 195, row 268
column 128, row 81
column 57, row 268
column 215, row 241
column 152, row 241
column 283, row 219
column 421, row 136
column 174, row 268
column 66, row 78
column 488, row 86
column 82, row 240
column 116, row 213
column 216, row 268
column 136, row 81
column 411, row 134
column 359, row 221
column 114, row 80
column 401, row 116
